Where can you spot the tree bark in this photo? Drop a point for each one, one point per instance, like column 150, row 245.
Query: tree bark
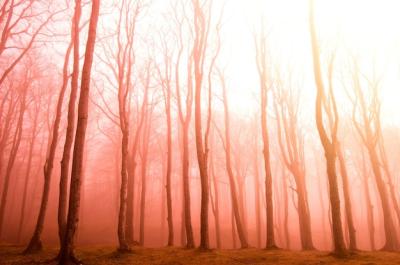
column 262, row 72
column 347, row 200
column 67, row 248
column 328, row 144
column 27, row 172
column 145, row 150
column 69, row 135
column 13, row 152
column 232, row 185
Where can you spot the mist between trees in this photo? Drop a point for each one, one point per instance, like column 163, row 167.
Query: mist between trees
column 198, row 123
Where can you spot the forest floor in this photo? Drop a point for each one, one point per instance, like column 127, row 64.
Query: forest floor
column 176, row 256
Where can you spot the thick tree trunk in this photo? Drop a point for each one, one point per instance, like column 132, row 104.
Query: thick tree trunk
column 66, row 254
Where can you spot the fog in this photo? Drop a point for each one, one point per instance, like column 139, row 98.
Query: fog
column 211, row 124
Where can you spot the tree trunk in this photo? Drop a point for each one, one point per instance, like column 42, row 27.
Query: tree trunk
column 13, row 153
column 67, row 248
column 328, row 144
column 369, row 205
column 69, row 136
column 347, row 200
column 285, row 207
column 123, row 242
column 391, row 243
column 216, row 207
column 169, row 168
column 232, row 185
column 257, row 196
column 262, row 72
column 145, row 150
column 27, row 174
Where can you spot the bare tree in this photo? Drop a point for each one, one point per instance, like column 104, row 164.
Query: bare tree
column 16, row 140
column 291, row 144
column 366, row 119
column 32, row 141
column 325, row 103
column 66, row 254
column 262, row 68
column 232, row 184
column 185, row 115
column 18, row 19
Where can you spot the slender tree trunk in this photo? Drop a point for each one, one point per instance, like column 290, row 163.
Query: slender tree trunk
column 13, row 153
column 129, row 230
column 27, row 174
column 389, row 176
column 67, row 248
column 169, row 168
column 233, row 228
column 186, row 186
column 262, row 72
column 369, row 205
column 285, row 207
column 391, row 243
column 232, row 185
column 145, row 150
column 35, row 243
column 257, row 197
column 6, row 125
column 69, row 136
column 216, row 207
column 347, row 200
column 201, row 150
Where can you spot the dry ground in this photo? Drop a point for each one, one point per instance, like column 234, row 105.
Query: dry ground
column 177, row 256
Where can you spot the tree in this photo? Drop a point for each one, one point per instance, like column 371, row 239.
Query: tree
column 232, row 185
column 184, row 119
column 166, row 86
column 67, row 248
column 28, row 175
column 23, row 91
column 260, row 44
column 286, row 105
column 366, row 120
column 347, row 199
column 17, row 19
column 325, row 102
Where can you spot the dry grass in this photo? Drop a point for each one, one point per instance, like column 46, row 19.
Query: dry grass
column 177, row 256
